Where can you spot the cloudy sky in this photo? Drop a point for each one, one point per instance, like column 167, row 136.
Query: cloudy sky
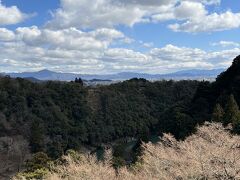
column 109, row 36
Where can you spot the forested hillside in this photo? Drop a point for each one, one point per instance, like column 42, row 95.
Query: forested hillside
column 56, row 116
column 223, row 96
column 52, row 117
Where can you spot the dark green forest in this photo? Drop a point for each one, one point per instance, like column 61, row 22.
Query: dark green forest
column 57, row 116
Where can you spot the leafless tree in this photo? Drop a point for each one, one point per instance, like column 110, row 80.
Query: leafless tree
column 211, row 153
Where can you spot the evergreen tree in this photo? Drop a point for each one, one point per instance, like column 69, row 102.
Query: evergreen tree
column 36, row 138
column 231, row 111
column 218, row 113
column 39, row 160
column 79, row 80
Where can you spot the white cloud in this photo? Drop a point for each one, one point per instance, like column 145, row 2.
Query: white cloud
column 226, row 44
column 70, row 38
column 191, row 15
column 93, row 13
column 73, row 50
column 183, row 57
column 107, row 34
column 29, row 35
column 198, row 19
column 190, row 10
column 148, row 45
column 107, row 13
column 194, row 17
column 11, row 15
column 6, row 35
column 209, row 23
column 59, row 49
column 174, row 53
column 185, row 10
column 163, row 17
column 124, row 56
column 81, row 37
column 127, row 40
column 147, row 2
column 207, row 2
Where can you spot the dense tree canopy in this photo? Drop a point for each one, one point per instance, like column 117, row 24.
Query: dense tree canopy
column 57, row 116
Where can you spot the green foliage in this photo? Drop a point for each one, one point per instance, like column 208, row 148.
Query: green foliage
column 207, row 94
column 134, row 108
column 38, row 161
column 176, row 121
column 57, row 116
column 37, row 167
column 218, row 113
column 231, row 111
column 52, row 115
column 36, row 136
column 76, row 156
column 36, row 174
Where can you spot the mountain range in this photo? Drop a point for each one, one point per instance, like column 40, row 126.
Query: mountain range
column 193, row 74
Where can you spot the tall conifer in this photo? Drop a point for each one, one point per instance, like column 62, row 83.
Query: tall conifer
column 231, row 111
column 218, row 113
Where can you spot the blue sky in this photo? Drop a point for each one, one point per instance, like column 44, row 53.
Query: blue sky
column 105, row 36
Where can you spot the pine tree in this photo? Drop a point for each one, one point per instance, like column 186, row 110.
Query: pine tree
column 218, row 113
column 231, row 111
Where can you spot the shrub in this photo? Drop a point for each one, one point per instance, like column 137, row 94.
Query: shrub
column 37, row 167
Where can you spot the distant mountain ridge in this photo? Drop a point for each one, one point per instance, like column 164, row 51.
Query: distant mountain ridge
column 193, row 74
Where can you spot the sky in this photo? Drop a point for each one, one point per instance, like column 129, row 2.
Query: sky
column 111, row 36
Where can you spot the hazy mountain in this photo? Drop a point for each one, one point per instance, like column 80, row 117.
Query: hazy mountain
column 197, row 74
